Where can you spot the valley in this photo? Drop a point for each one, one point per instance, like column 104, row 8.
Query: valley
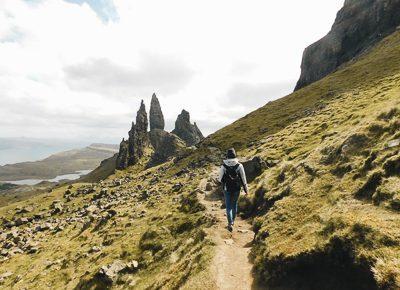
column 59, row 164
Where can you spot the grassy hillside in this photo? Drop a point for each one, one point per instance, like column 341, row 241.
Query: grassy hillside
column 65, row 238
column 325, row 214
column 327, row 217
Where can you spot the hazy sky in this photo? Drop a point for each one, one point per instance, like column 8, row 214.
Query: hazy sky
column 77, row 69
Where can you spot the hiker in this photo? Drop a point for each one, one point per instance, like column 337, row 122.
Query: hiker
column 233, row 178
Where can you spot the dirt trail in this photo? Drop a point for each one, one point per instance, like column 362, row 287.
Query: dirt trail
column 230, row 267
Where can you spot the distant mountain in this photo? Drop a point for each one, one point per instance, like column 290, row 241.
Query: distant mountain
column 14, row 150
column 65, row 162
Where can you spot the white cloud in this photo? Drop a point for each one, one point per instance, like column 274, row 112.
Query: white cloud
column 104, row 77
column 250, row 95
column 66, row 72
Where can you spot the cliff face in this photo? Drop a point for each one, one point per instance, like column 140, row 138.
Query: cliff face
column 358, row 25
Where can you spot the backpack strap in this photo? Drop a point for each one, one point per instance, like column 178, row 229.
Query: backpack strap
column 240, row 176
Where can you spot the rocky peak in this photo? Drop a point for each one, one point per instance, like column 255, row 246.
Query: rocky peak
column 358, row 26
column 122, row 157
column 188, row 132
column 133, row 149
column 156, row 115
column 141, row 119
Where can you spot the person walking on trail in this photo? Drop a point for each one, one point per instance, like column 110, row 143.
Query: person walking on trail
column 233, row 178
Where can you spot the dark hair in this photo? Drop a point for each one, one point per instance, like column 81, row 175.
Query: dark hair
column 231, row 153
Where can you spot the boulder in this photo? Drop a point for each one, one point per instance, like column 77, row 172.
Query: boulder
column 25, row 209
column 57, row 207
column 156, row 115
column 110, row 272
column 188, row 132
column 358, row 26
column 254, row 168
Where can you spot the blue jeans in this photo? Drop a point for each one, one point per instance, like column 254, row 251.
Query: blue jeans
column 231, row 201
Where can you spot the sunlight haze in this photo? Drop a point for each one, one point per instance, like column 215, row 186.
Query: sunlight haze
column 77, row 70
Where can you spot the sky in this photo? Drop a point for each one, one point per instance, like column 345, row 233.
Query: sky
column 76, row 70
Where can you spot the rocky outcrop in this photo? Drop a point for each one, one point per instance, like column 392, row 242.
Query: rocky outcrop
column 165, row 144
column 122, row 158
column 156, row 115
column 358, row 25
column 133, row 149
column 188, row 132
column 254, row 167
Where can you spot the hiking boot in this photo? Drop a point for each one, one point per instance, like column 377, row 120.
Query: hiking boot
column 230, row 228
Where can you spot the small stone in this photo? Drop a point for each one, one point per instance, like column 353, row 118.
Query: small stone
column 26, row 209
column 132, row 265
column 95, row 249
column 6, row 275
column 21, row 221
column 393, row 143
column 16, row 250
column 110, row 272
column 177, row 186
column 91, row 209
column 229, row 242
column 33, row 250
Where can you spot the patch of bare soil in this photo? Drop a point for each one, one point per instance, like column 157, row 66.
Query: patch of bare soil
column 231, row 267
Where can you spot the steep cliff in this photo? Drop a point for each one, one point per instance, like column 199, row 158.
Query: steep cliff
column 358, row 26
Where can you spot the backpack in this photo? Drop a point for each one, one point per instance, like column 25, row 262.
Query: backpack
column 231, row 178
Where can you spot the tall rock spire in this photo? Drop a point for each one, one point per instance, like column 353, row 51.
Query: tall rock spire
column 141, row 118
column 156, row 115
column 133, row 149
